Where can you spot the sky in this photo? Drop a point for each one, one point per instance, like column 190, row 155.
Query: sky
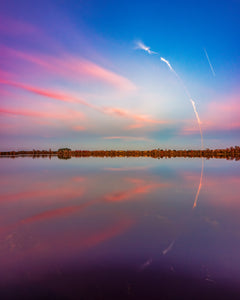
column 72, row 74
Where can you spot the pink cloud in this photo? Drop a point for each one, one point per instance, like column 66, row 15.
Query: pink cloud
column 78, row 128
column 68, row 116
column 134, row 126
column 220, row 115
column 46, row 93
column 70, row 67
column 140, row 119
column 60, row 96
column 132, row 138
column 78, row 179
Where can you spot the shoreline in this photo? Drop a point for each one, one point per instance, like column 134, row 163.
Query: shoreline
column 66, row 153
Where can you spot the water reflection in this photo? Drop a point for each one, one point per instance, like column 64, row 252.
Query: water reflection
column 200, row 185
column 86, row 215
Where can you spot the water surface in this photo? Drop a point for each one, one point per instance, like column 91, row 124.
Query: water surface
column 107, row 228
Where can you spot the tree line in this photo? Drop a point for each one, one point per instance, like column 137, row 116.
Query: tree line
column 66, row 153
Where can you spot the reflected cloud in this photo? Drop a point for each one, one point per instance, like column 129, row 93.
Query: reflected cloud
column 126, row 169
column 56, row 213
column 141, row 187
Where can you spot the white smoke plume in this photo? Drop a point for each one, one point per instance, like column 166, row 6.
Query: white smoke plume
column 168, row 63
column 140, row 45
column 188, row 94
column 198, row 120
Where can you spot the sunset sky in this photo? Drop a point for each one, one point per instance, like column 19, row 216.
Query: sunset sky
column 71, row 74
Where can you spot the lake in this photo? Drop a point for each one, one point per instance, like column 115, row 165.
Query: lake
column 119, row 228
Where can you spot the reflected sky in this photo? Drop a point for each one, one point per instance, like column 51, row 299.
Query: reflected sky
column 90, row 212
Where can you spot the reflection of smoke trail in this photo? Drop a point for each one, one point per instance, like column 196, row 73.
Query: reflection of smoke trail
column 146, row 264
column 199, row 187
column 168, row 248
column 209, row 62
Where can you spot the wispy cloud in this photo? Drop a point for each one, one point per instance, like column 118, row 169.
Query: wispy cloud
column 70, row 118
column 30, row 113
column 71, row 67
column 64, row 97
column 140, row 119
column 78, row 128
column 47, row 93
column 127, row 138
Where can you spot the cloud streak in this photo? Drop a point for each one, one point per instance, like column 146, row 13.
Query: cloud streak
column 39, row 114
column 63, row 97
column 70, row 67
column 140, row 187
column 126, row 138
column 211, row 67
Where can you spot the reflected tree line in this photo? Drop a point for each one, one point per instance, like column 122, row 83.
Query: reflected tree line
column 232, row 153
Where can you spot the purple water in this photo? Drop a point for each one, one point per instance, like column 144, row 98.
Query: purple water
column 119, row 228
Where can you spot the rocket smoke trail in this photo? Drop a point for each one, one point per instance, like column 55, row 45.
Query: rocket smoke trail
column 209, row 62
column 199, row 122
column 167, row 62
column 188, row 94
column 140, row 45
column 143, row 47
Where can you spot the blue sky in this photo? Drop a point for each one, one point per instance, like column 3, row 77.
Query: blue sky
column 71, row 74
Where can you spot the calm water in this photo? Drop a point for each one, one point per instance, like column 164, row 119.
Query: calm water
column 119, row 228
